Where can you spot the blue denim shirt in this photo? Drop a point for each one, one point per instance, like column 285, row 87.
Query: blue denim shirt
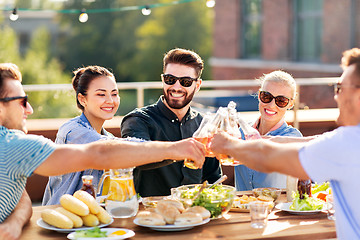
column 248, row 179
column 76, row 131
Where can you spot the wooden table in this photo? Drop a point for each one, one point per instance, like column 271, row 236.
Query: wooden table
column 235, row 225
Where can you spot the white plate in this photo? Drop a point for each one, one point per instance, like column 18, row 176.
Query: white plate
column 108, row 231
column 43, row 224
column 171, row 228
column 286, row 207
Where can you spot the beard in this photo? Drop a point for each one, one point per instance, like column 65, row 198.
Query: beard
column 175, row 103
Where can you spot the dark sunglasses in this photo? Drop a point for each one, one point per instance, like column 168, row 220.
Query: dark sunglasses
column 184, row 81
column 338, row 86
column 280, row 101
column 23, row 102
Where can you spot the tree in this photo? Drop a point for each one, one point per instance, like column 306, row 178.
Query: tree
column 132, row 44
column 9, row 48
column 38, row 67
column 184, row 25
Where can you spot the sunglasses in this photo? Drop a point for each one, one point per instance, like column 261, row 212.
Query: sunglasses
column 280, row 101
column 171, row 80
column 338, row 86
column 23, row 102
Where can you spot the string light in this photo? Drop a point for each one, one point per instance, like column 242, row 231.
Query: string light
column 210, row 3
column 14, row 16
column 83, row 17
column 146, row 11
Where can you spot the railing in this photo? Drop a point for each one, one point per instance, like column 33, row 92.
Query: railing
column 217, row 84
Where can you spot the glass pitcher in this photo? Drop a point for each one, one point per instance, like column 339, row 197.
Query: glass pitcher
column 121, row 201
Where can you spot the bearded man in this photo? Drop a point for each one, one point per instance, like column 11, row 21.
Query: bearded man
column 171, row 118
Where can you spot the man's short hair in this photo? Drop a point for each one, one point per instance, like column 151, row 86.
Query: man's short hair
column 8, row 71
column 184, row 57
column 352, row 57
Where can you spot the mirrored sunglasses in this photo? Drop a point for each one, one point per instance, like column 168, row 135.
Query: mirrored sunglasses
column 280, row 101
column 171, row 80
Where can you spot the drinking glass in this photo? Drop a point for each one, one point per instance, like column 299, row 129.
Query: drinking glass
column 331, row 209
column 259, row 213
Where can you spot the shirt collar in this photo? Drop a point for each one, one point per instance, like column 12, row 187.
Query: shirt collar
column 278, row 125
column 86, row 122
column 170, row 114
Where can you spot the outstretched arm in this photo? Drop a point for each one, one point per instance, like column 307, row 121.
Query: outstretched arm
column 118, row 154
column 11, row 228
column 286, row 139
column 261, row 155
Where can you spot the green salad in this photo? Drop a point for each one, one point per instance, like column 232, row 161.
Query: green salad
column 320, row 187
column 306, row 204
column 217, row 200
column 90, row 233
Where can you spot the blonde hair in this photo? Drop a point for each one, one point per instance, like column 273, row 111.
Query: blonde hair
column 279, row 77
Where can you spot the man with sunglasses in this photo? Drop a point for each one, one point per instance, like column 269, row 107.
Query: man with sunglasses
column 332, row 156
column 170, row 119
column 21, row 154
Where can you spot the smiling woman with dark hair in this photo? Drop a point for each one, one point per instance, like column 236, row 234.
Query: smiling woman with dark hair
column 276, row 96
column 98, row 99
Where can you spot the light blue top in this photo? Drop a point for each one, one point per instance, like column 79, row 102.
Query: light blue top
column 76, row 131
column 334, row 157
column 20, row 155
column 248, row 179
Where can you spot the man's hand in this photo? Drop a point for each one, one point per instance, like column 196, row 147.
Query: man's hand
column 190, row 149
column 221, row 142
column 11, row 228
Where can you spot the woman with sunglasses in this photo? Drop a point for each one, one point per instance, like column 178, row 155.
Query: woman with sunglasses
column 98, row 99
column 276, row 96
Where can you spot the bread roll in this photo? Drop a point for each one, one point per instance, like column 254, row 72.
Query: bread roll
column 150, row 218
column 168, row 211
column 77, row 221
column 175, row 203
column 89, row 200
column 200, row 210
column 188, row 218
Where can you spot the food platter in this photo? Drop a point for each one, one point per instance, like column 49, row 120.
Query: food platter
column 128, row 234
column 286, row 207
column 44, row 225
column 171, row 228
column 241, row 208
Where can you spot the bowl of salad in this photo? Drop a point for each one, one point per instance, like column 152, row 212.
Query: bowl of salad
column 217, row 199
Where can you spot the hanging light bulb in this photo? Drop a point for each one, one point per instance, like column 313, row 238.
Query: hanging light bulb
column 83, row 17
column 14, row 16
column 210, row 3
column 146, row 11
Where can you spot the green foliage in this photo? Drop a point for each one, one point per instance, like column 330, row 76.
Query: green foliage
column 9, row 50
column 184, row 25
column 38, row 67
column 133, row 45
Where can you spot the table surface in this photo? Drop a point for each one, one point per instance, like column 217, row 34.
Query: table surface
column 235, row 225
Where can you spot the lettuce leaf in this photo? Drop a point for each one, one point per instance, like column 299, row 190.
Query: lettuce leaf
column 306, row 204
